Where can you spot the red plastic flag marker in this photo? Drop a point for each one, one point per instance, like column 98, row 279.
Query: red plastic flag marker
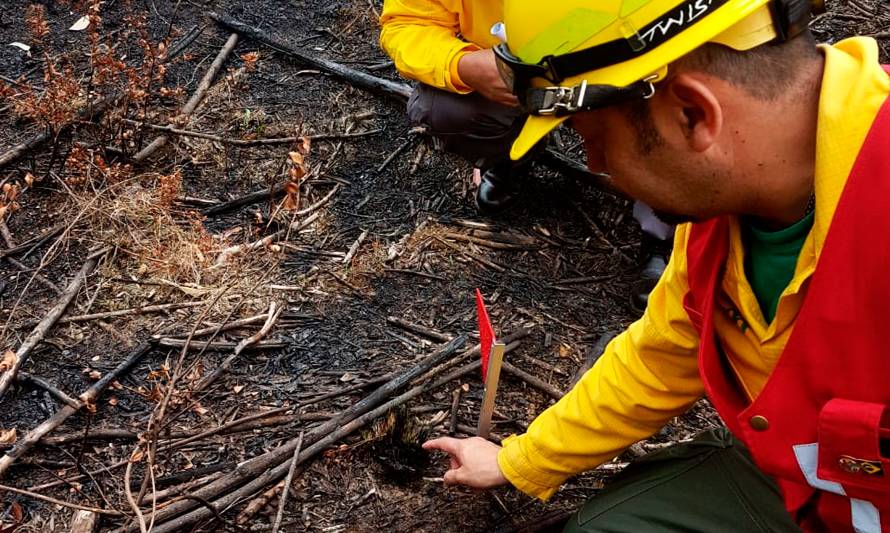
column 486, row 333
column 492, row 353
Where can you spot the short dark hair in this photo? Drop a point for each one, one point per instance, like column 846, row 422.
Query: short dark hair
column 765, row 72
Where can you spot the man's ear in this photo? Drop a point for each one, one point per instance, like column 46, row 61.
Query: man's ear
column 695, row 109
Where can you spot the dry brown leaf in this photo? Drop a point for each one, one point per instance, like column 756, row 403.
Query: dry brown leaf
column 137, row 455
column 304, row 145
column 199, row 410
column 238, row 388
column 296, row 158
column 565, row 350
column 95, row 374
column 112, row 401
column 16, row 511
column 8, row 436
column 8, row 361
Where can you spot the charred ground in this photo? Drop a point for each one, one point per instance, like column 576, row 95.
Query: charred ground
column 561, row 265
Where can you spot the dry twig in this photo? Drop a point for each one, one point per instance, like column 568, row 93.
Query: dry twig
column 88, row 398
column 273, row 314
column 196, row 98
column 43, row 327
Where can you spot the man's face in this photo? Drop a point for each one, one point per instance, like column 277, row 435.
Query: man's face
column 650, row 162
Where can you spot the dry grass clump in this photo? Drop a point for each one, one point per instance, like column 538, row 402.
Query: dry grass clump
column 368, row 263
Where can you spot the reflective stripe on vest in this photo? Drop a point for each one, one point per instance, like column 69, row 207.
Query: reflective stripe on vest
column 866, row 517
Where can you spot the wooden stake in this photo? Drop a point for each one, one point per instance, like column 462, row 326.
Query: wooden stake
column 493, row 375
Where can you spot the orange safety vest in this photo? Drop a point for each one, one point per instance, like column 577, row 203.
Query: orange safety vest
column 817, row 425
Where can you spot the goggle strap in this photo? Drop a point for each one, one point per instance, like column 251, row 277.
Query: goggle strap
column 562, row 101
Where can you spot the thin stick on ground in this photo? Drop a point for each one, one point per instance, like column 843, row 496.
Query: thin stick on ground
column 278, row 235
column 166, row 518
column 46, row 324
column 87, row 398
column 127, row 312
column 357, row 78
column 36, row 241
column 273, row 314
column 417, row 328
column 235, row 324
column 128, row 491
column 196, row 98
column 535, row 382
column 253, row 142
column 341, row 430
column 54, row 391
column 354, row 248
column 287, row 482
column 37, row 496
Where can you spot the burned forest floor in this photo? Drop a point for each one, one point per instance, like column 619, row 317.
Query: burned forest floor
column 284, row 284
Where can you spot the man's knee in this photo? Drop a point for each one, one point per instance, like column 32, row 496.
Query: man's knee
column 445, row 113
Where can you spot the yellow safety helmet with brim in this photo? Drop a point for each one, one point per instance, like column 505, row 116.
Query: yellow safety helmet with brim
column 562, row 57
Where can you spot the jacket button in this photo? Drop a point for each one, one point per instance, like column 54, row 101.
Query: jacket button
column 759, row 423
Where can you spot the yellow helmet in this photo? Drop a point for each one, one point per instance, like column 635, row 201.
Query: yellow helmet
column 562, row 57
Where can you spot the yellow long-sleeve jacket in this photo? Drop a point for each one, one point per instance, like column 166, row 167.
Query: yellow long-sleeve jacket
column 649, row 373
column 426, row 38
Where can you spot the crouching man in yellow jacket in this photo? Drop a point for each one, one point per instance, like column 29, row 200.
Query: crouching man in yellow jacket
column 726, row 114
column 461, row 98
column 446, row 45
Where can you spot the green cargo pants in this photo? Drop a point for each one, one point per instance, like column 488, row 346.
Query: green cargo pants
column 707, row 485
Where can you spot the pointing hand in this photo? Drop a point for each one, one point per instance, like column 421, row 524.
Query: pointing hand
column 474, row 461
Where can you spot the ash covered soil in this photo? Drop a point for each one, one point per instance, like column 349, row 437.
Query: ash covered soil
column 375, row 226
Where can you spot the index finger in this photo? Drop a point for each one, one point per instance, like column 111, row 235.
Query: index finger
column 445, row 444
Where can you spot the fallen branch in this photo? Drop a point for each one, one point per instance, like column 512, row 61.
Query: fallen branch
column 85, row 399
column 273, row 314
column 417, row 328
column 257, row 468
column 592, row 355
column 54, row 391
column 537, row 383
column 355, row 77
column 43, row 327
column 338, row 430
column 19, row 150
column 252, row 142
column 218, row 346
column 248, row 199
column 196, row 98
column 124, row 312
